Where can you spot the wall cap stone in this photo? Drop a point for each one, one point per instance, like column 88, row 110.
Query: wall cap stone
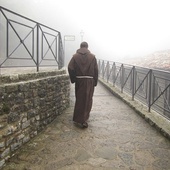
column 27, row 75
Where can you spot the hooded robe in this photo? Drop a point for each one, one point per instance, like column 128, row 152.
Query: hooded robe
column 83, row 71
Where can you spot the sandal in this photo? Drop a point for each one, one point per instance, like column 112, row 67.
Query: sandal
column 85, row 125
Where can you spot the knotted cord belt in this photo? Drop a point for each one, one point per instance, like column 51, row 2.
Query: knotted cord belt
column 84, row 77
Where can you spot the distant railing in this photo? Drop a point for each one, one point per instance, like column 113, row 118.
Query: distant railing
column 27, row 43
column 151, row 87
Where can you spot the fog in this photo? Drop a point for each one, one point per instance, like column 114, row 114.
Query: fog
column 114, row 29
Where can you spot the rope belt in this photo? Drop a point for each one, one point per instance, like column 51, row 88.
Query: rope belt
column 84, row 77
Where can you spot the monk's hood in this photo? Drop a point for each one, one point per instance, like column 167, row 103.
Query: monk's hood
column 83, row 51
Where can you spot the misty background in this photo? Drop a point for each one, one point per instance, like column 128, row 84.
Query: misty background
column 114, row 29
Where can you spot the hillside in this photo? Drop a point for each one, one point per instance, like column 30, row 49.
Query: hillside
column 158, row 60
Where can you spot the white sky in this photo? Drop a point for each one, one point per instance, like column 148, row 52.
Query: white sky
column 113, row 28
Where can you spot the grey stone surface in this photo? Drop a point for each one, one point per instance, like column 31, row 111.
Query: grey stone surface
column 117, row 139
column 155, row 119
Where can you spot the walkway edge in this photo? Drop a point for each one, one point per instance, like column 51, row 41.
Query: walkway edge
column 153, row 118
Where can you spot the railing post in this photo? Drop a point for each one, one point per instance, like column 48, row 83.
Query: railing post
column 38, row 47
column 150, row 90
column 133, row 82
column 59, row 50
column 60, row 55
column 107, row 71
column 103, row 69
column 7, row 39
column 114, row 73
column 167, row 96
column 122, row 77
column 99, row 67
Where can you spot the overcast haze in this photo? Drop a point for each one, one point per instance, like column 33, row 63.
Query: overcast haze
column 114, row 29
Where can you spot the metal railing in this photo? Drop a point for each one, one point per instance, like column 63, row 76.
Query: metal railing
column 27, row 43
column 149, row 86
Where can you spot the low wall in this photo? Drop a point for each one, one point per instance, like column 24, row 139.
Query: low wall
column 28, row 102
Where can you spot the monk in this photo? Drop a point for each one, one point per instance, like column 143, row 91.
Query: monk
column 83, row 71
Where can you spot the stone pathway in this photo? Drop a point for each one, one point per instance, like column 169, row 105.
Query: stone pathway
column 117, row 139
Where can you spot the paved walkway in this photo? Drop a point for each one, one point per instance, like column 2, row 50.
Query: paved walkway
column 116, row 139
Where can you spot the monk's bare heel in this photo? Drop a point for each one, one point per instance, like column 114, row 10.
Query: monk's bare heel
column 85, row 125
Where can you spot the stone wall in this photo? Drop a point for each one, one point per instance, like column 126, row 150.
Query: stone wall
column 28, row 102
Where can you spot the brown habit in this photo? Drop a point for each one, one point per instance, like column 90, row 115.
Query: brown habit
column 82, row 64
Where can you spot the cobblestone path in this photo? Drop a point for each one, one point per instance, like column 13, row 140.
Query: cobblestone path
column 117, row 139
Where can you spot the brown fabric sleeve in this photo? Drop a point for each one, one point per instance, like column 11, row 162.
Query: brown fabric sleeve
column 71, row 70
column 95, row 73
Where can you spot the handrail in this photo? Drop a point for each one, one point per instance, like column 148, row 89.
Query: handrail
column 149, row 86
column 25, row 39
